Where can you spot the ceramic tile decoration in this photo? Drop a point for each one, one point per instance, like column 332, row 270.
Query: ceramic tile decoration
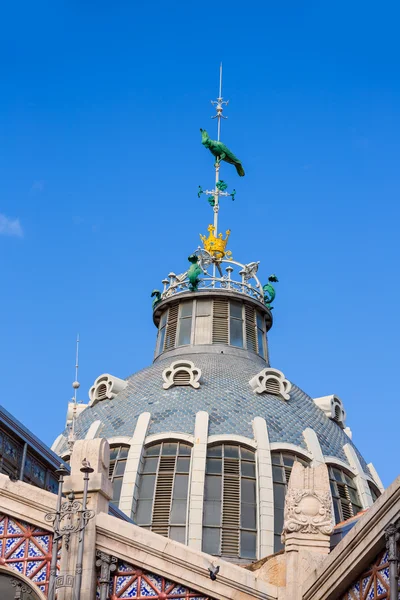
column 26, row 549
column 373, row 584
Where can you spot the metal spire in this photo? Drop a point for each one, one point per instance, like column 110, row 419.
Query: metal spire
column 219, row 104
column 75, row 385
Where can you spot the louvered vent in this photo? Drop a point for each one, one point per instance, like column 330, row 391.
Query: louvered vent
column 101, row 391
column 162, row 498
column 250, row 328
column 231, row 508
column 111, row 469
column 272, row 387
column 182, row 378
column 220, row 332
column 171, row 326
column 338, row 413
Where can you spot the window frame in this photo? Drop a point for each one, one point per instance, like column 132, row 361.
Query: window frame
column 221, row 474
column 339, row 500
column 156, row 473
column 114, row 476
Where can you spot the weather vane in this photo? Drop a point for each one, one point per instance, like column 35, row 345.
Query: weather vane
column 221, row 153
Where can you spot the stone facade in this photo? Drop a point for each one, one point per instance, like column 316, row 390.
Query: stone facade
column 121, row 560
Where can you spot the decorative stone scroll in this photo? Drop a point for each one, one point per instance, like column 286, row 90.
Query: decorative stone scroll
column 271, row 381
column 334, row 410
column 308, row 520
column 181, row 372
column 106, row 387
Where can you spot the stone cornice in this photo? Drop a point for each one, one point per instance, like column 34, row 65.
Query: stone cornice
column 26, row 502
column 356, row 550
column 178, row 562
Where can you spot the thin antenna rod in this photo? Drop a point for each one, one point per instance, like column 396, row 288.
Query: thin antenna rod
column 76, row 368
column 220, row 101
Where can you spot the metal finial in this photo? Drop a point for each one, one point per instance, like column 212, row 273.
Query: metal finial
column 76, row 383
column 219, row 104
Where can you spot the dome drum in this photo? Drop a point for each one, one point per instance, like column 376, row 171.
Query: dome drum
column 207, row 319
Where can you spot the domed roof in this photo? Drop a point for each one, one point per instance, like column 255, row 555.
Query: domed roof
column 225, row 393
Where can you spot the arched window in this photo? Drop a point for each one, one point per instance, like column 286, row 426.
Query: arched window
column 118, row 456
column 163, row 489
column 375, row 492
column 230, row 504
column 282, row 464
column 346, row 501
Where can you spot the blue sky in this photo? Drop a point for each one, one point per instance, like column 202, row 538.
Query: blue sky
column 100, row 159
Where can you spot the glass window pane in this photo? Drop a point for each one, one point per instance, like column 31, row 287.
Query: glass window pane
column 185, row 329
column 163, row 318
column 178, row 512
column 153, row 450
column 278, row 520
column 231, row 451
column 150, row 465
column 248, row 516
column 248, row 469
column 260, row 342
column 247, row 544
column 337, row 474
column 354, row 496
column 186, row 309
column 180, row 486
column 113, row 453
column 336, row 508
column 349, row 481
column 177, row 534
column 277, row 543
column 260, row 320
column 211, row 540
column 248, row 490
column 117, row 485
column 203, row 308
column 120, row 468
column 212, row 513
column 276, row 458
column 214, row 451
column 279, row 496
column 278, row 474
column 236, row 332
column 161, row 339
column 236, row 309
column 247, row 454
column 185, row 449
column 214, row 465
column 124, row 452
column 212, row 488
column 143, row 512
column 146, row 487
column 169, row 448
column 288, row 460
column 182, row 465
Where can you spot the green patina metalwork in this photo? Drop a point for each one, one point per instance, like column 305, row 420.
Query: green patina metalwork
column 221, row 185
column 200, row 191
column 156, row 294
column 193, row 272
column 221, row 152
column 269, row 291
column 211, row 200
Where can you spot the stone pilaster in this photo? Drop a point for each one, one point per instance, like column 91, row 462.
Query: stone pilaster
column 127, row 502
column 265, row 489
column 197, row 479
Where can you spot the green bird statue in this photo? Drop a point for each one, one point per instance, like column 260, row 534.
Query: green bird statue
column 269, row 291
column 221, row 152
column 193, row 273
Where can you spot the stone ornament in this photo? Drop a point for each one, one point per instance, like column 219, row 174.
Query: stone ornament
column 181, row 373
column 334, row 410
column 308, row 511
column 106, row 387
column 271, row 381
column 308, row 516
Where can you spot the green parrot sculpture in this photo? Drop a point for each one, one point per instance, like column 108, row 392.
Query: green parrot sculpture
column 221, row 152
column 193, row 273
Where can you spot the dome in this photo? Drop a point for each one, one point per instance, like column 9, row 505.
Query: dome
column 203, row 441
column 225, row 393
